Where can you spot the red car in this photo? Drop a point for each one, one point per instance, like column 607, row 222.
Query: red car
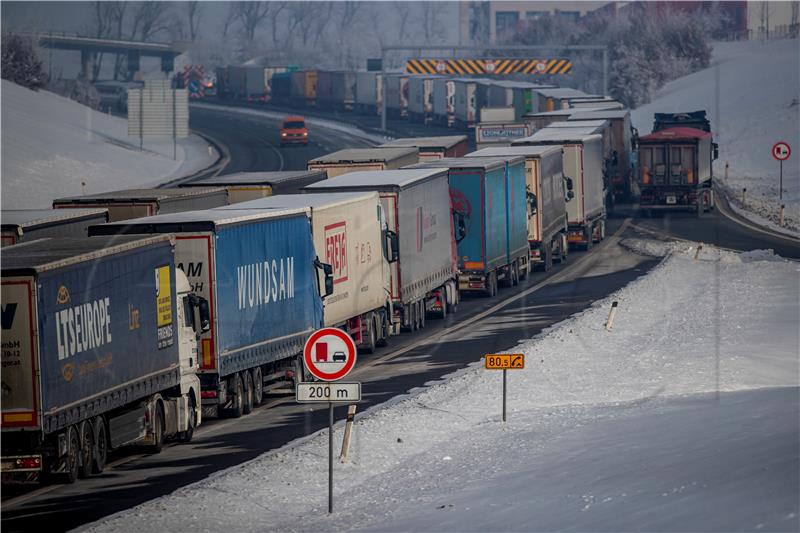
column 294, row 131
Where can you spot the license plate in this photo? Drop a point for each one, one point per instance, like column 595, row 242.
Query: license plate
column 670, row 199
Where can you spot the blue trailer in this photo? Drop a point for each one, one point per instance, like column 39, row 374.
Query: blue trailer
column 260, row 273
column 98, row 352
column 489, row 203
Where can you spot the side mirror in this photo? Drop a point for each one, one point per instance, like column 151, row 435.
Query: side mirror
column 327, row 271
column 205, row 314
column 394, row 246
column 570, row 185
column 570, row 195
column 716, row 151
column 532, row 201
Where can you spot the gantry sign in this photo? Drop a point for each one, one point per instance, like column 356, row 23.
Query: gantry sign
column 489, row 66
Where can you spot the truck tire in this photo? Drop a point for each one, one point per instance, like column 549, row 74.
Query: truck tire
column 588, row 236
column 422, row 314
column 101, row 445
column 258, row 386
column 601, row 232
column 238, row 396
column 87, row 449
column 186, row 436
column 369, row 347
column 383, row 338
column 247, row 382
column 514, row 274
column 72, row 460
column 158, row 429
column 491, row 284
column 412, row 317
column 299, row 370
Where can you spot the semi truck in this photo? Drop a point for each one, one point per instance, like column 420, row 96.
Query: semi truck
column 420, row 97
column 244, row 186
column 488, row 196
column 264, row 284
column 99, row 352
column 443, row 108
column 369, row 92
column 417, row 207
column 303, row 89
column 583, row 164
column 397, row 95
column 135, row 203
column 433, row 147
column 350, row 234
column 22, row 225
column 355, row 159
column 547, row 194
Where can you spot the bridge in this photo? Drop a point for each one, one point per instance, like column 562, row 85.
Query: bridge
column 134, row 50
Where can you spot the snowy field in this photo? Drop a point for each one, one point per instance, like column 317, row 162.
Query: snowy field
column 52, row 146
column 683, row 417
column 758, row 104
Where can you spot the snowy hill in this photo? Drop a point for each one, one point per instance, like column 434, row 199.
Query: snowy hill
column 51, row 144
column 758, row 105
column 684, row 417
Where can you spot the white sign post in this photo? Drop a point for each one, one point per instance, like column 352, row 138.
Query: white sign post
column 329, row 355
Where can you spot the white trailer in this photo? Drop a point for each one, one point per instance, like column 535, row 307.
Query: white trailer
column 420, row 97
column 354, row 159
column 369, row 92
column 443, row 101
column 397, row 95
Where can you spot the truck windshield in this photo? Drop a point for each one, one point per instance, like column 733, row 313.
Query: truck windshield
column 294, row 125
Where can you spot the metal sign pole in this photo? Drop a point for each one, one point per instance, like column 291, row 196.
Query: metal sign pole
column 330, row 457
column 780, row 191
column 504, row 394
column 174, row 129
column 141, row 120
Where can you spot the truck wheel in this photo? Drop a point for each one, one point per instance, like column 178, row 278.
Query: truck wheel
column 186, row 436
column 514, row 274
column 238, row 397
column 422, row 314
column 383, row 339
column 158, row 429
column 258, row 386
column 101, row 445
column 371, row 334
column 299, row 370
column 87, row 449
column 548, row 259
column 491, row 284
column 443, row 314
column 523, row 272
column 412, row 317
column 247, row 380
column 601, row 231
column 72, row 460
column 588, row 236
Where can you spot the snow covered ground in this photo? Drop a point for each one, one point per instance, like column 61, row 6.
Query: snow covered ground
column 683, row 417
column 52, row 146
column 757, row 105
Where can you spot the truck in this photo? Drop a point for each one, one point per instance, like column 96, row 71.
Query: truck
column 303, row 87
column 135, row 203
column 691, row 119
column 676, row 170
column 350, row 234
column 417, row 206
column 443, row 101
column 433, row 147
column 622, row 147
column 547, row 194
column 99, row 352
column 355, row 159
column 537, row 121
column 489, row 204
column 519, row 95
column 22, row 225
column 246, row 82
column 369, row 92
column 343, row 85
column 420, row 97
column 264, row 284
column 244, row 186
column 558, row 98
column 397, row 95
column 583, row 164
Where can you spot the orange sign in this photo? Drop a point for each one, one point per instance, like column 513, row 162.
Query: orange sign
column 504, row 361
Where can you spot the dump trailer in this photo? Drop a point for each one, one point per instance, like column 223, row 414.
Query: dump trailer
column 351, row 235
column 135, row 203
column 369, row 92
column 417, row 207
column 547, row 197
column 99, row 351
column 259, row 271
column 489, row 203
column 691, row 119
column 22, row 225
column 244, row 186
column 622, row 147
column 397, row 95
column 355, row 159
column 676, row 170
column 583, row 169
column 434, row 147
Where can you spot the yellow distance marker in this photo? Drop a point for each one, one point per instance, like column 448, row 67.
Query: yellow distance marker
column 504, row 361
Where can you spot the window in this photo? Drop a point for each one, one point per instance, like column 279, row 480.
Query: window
column 188, row 315
column 535, row 15
column 506, row 21
column 571, row 16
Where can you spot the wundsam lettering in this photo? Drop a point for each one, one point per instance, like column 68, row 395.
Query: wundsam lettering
column 265, row 282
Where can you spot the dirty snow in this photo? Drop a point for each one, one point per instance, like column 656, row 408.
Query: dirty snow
column 52, row 146
column 683, row 417
column 759, row 105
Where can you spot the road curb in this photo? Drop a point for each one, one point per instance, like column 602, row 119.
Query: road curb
column 724, row 207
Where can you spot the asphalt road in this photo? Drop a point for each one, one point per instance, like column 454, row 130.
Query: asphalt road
column 481, row 326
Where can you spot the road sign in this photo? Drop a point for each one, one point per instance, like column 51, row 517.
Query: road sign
column 781, row 151
column 497, row 66
column 328, row 392
column 505, row 361
column 329, row 354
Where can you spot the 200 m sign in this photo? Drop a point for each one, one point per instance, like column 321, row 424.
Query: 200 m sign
column 328, row 392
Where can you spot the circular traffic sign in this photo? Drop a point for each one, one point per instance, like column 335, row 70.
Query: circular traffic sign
column 781, row 151
column 329, row 354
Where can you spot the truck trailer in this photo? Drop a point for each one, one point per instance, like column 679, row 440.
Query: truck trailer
column 99, row 351
column 488, row 195
column 369, row 92
column 356, row 159
column 547, row 195
column 583, row 164
column 351, row 235
column 261, row 276
column 417, row 207
column 244, row 186
column 420, row 97
column 433, row 147
column 23, row 225
column 397, row 95
column 135, row 203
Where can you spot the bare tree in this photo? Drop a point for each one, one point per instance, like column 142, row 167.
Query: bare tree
column 251, row 15
column 194, row 11
column 149, row 19
column 432, row 28
column 276, row 9
column 324, row 16
column 348, row 15
column 230, row 18
column 302, row 16
column 403, row 10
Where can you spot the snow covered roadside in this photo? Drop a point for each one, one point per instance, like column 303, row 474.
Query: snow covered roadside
column 52, row 146
column 440, row 459
column 758, row 106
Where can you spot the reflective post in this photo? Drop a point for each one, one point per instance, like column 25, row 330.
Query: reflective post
column 330, row 457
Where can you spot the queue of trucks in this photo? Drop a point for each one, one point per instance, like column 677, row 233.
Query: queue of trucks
column 139, row 313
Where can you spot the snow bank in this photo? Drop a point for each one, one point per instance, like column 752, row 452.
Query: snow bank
column 758, row 106
column 51, row 145
column 441, row 460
